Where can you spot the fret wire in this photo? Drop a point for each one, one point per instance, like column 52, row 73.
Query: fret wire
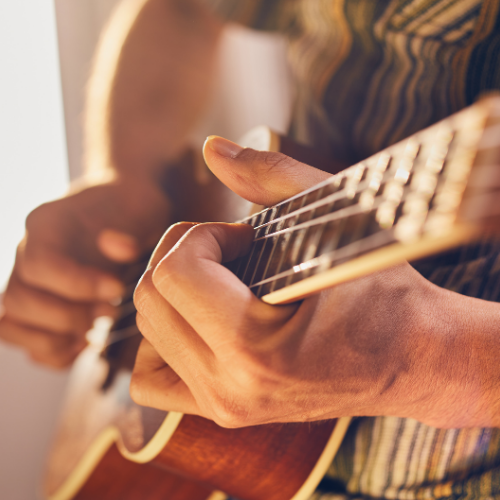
column 339, row 214
column 317, row 204
column 248, row 260
column 300, row 250
column 313, row 246
column 288, row 237
column 357, row 236
column 333, row 242
column 241, row 260
column 249, row 257
column 339, row 195
column 374, row 241
column 403, row 163
column 331, row 179
column 297, row 246
column 388, row 176
column 270, row 258
column 260, row 216
column 271, row 254
column 256, row 266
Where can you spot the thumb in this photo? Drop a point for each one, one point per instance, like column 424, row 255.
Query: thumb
column 262, row 177
column 118, row 246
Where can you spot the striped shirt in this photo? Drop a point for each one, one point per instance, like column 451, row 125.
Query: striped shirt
column 369, row 73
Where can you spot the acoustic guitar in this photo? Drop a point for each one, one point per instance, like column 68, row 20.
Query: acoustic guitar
column 433, row 191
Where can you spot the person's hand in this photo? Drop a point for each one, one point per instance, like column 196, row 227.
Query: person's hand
column 387, row 344
column 67, row 268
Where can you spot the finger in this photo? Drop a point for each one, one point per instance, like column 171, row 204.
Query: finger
column 118, row 246
column 171, row 237
column 217, row 305
column 43, row 347
column 262, row 177
column 43, row 310
column 172, row 337
column 155, row 384
column 48, row 270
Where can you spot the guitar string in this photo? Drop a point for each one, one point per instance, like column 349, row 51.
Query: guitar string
column 339, row 175
column 122, row 334
column 301, row 201
column 339, row 195
column 273, row 250
column 388, row 175
column 256, row 267
column 324, row 219
column 342, row 253
column 370, row 242
column 367, row 166
column 344, row 194
column 127, row 308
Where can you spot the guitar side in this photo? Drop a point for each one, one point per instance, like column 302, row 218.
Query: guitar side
column 278, row 462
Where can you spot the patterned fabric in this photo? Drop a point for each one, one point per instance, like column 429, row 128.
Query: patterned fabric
column 368, row 74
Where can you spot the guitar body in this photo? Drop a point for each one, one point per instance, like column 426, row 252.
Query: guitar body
column 433, row 191
column 132, row 481
column 108, row 443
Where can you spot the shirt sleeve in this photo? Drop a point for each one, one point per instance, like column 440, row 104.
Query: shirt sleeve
column 268, row 15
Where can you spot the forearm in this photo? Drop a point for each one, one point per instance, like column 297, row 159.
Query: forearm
column 149, row 84
column 459, row 362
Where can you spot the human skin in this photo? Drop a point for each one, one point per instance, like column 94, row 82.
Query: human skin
column 150, row 83
column 388, row 344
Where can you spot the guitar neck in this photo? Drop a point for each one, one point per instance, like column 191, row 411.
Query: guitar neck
column 423, row 195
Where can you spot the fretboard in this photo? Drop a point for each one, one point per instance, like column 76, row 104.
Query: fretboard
column 403, row 203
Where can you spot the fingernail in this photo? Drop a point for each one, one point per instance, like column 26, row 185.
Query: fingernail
column 223, row 147
column 109, row 289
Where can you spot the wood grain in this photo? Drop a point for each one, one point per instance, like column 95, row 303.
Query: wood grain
column 268, row 462
column 118, row 479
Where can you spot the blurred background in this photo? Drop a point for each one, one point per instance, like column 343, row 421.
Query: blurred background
column 46, row 49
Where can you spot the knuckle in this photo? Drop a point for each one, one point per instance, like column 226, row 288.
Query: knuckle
column 179, row 228
column 167, row 273
column 277, row 161
column 141, row 324
column 229, row 413
column 57, row 362
column 46, row 345
column 35, row 216
column 143, row 291
column 28, row 268
column 137, row 392
column 266, row 161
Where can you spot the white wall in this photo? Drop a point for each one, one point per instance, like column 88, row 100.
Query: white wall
column 79, row 23
column 33, row 169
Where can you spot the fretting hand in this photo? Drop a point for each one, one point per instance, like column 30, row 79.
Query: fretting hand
column 67, row 266
column 388, row 344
